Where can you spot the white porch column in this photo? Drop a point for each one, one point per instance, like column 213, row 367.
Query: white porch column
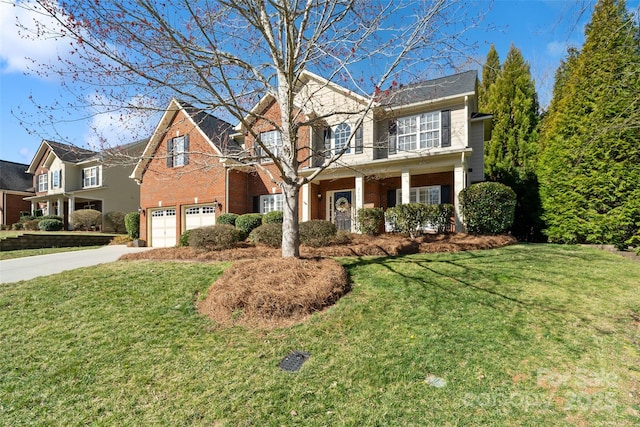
column 60, row 210
column 406, row 187
column 72, row 207
column 306, row 202
column 33, row 208
column 359, row 192
column 459, row 183
column 47, row 208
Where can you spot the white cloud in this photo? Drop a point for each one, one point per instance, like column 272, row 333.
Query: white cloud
column 110, row 126
column 20, row 48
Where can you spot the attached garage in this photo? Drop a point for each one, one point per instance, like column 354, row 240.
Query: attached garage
column 199, row 216
column 163, row 228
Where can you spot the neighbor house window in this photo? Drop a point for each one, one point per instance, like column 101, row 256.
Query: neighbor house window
column 56, row 178
column 178, row 151
column 427, row 130
column 43, row 182
column 91, row 177
column 271, row 202
column 430, row 195
column 272, row 140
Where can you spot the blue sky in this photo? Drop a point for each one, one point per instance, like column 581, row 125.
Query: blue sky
column 541, row 29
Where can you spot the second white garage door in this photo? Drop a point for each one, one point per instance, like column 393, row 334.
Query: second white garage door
column 163, row 228
column 199, row 216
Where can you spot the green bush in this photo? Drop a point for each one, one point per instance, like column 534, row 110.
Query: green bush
column 17, row 226
column 132, row 224
column 40, row 218
column 267, row 234
column 273, row 217
column 184, row 238
column 370, row 220
column 409, row 218
column 227, row 218
column 50, row 224
column 85, row 219
column 30, row 225
column 115, row 220
column 214, row 237
column 247, row 222
column 439, row 216
column 488, row 208
column 317, row 233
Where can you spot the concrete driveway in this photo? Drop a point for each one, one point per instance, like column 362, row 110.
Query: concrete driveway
column 14, row 270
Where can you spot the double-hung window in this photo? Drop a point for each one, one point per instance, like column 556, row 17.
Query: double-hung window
column 56, row 179
column 430, row 195
column 91, row 177
column 43, row 182
column 178, row 151
column 422, row 131
column 271, row 202
column 272, row 140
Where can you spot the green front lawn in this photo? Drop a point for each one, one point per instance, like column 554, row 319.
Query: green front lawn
column 523, row 335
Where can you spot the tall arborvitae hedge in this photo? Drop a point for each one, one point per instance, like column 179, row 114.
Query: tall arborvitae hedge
column 589, row 167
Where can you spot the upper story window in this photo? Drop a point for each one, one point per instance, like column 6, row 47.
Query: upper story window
column 272, row 140
column 271, row 202
column 56, row 179
column 91, row 177
column 336, row 139
column 341, row 138
column 178, row 151
column 422, row 131
column 43, row 182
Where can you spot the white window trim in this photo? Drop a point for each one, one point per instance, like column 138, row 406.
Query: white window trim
column 43, row 182
column 98, row 177
column 271, row 202
column 179, row 151
column 347, row 138
column 415, row 191
column 272, row 140
column 418, row 143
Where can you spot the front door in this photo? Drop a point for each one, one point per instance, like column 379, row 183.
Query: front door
column 342, row 210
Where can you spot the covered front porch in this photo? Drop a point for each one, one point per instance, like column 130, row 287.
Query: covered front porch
column 62, row 205
column 337, row 193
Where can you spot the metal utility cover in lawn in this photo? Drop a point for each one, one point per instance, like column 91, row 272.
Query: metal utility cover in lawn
column 294, row 360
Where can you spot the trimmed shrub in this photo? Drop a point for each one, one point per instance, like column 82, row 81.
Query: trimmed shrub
column 115, row 220
column 227, row 218
column 85, row 219
column 247, row 222
column 267, row 234
column 132, row 224
column 439, row 217
column 317, row 233
column 488, row 208
column 30, row 224
column 273, row 217
column 40, row 218
column 214, row 237
column 17, row 226
column 184, row 238
column 50, row 224
column 410, row 218
column 370, row 220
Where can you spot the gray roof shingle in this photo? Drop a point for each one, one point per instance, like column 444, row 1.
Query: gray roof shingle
column 14, row 176
column 427, row 90
column 70, row 153
column 217, row 130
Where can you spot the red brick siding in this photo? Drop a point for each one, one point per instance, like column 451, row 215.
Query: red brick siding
column 11, row 205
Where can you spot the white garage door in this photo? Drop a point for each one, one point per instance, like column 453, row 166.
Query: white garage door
column 199, row 216
column 163, row 228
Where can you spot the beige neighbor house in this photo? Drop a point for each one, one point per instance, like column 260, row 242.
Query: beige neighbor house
column 67, row 178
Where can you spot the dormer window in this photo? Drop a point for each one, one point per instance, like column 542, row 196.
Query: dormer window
column 43, row 182
column 91, row 177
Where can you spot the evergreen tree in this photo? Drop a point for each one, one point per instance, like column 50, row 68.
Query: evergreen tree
column 511, row 97
column 589, row 169
column 490, row 71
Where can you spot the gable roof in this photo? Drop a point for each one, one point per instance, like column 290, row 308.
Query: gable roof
column 65, row 152
column 216, row 131
column 14, row 176
column 430, row 90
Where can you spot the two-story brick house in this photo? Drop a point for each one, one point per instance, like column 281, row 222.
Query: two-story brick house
column 418, row 143
column 67, row 178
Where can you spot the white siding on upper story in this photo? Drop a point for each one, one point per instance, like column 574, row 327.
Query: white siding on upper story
column 476, row 161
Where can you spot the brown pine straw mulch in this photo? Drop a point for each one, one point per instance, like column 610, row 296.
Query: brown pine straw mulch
column 262, row 290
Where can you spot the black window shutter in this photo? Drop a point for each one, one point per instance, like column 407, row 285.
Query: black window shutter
column 446, row 128
column 256, row 204
column 393, row 132
column 60, row 178
column 327, row 142
column 83, row 177
column 359, row 141
column 445, row 194
column 97, row 175
column 170, row 153
column 186, row 149
column 391, row 198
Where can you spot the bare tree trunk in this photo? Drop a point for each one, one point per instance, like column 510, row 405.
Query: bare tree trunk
column 290, row 229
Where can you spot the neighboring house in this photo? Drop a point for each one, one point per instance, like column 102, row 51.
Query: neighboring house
column 419, row 143
column 15, row 185
column 68, row 178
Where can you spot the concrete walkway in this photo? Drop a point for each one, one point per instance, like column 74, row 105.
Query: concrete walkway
column 14, row 270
